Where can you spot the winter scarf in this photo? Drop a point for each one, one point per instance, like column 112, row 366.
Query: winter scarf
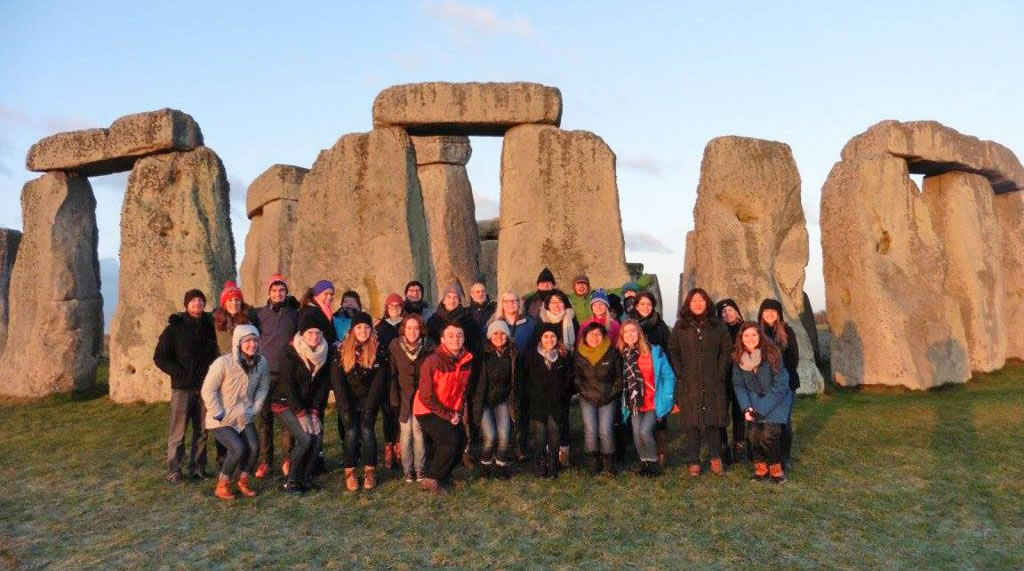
column 632, row 379
column 313, row 357
column 549, row 356
column 323, row 308
column 565, row 318
column 594, row 354
column 412, row 353
column 750, row 362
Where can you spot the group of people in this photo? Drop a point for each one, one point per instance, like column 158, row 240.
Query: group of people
column 486, row 383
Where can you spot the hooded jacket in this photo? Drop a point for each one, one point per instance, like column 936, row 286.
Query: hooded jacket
column 231, row 393
column 444, row 379
column 185, row 349
column 699, row 350
column 547, row 390
column 664, row 385
column 277, row 323
column 495, row 380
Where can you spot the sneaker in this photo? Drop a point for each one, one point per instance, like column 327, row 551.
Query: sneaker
column 410, row 477
column 293, row 488
column 419, row 476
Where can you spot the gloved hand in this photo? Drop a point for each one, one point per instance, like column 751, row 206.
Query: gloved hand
column 315, row 424
column 307, row 424
column 219, row 416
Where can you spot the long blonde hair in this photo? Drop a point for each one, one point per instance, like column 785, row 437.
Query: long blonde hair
column 499, row 311
column 641, row 341
column 347, row 353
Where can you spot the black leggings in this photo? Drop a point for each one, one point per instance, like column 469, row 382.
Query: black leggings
column 712, row 435
column 765, row 441
column 443, row 443
column 305, row 447
column 360, row 434
column 391, row 429
column 242, row 448
column 546, row 431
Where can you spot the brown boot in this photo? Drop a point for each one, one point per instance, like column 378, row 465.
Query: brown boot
column 223, row 489
column 351, row 482
column 694, row 470
column 286, row 466
column 261, row 471
column 432, row 485
column 389, row 456
column 778, row 476
column 760, row 471
column 717, row 468
column 243, row 485
column 369, row 477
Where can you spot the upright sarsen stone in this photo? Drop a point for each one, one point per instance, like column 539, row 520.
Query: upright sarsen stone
column 55, row 331
column 559, row 209
column 361, row 219
column 175, row 236
column 272, row 203
column 1009, row 212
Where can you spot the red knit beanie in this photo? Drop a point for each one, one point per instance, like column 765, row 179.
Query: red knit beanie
column 393, row 298
column 276, row 279
column 230, row 292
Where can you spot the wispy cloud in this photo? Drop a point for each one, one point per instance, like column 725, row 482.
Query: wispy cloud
column 238, row 189
column 479, row 19
column 637, row 241
column 486, row 207
column 49, row 123
column 649, row 165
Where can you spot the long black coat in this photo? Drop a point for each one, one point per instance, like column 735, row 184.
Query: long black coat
column 547, row 390
column 700, row 354
column 186, row 348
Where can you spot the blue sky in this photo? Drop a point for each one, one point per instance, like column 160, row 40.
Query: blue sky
column 275, row 84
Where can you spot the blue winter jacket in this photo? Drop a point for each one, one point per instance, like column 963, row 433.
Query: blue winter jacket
column 664, row 385
column 775, row 404
column 341, row 326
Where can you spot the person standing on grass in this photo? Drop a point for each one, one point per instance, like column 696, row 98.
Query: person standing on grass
column 599, row 308
column 414, row 302
column 407, row 354
column 521, row 328
column 699, row 349
column 598, row 376
column 316, row 306
column 439, row 404
column 359, row 377
column 558, row 312
column 493, row 391
column 300, row 395
column 770, row 318
column 481, row 308
column 342, row 319
column 657, row 333
column 548, row 383
column 533, row 302
column 184, row 351
column 648, row 391
column 730, row 314
column 277, row 321
column 387, row 331
column 233, row 392
column 451, row 309
column 762, row 384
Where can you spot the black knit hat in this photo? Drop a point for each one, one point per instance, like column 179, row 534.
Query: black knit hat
column 192, row 294
column 770, row 304
column 546, row 276
column 555, row 328
column 309, row 320
column 361, row 317
column 727, row 302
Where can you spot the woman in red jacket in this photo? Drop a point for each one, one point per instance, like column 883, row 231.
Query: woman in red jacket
column 439, row 405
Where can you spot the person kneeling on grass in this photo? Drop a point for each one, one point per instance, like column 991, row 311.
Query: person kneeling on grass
column 648, row 389
column 233, row 392
column 761, row 382
column 439, row 404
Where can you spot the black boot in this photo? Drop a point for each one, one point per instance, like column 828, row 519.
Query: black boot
column 542, row 465
column 607, row 466
column 596, row 465
column 503, row 472
column 553, row 464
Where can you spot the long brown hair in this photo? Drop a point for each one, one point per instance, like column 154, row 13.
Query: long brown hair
column 769, row 350
column 224, row 321
column 620, row 344
column 347, row 353
column 778, row 330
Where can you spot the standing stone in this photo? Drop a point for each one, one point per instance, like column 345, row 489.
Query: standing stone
column 94, row 152
column 441, row 108
column 9, row 240
column 272, row 203
column 449, row 209
column 687, row 279
column 489, row 267
column 811, row 327
column 1009, row 211
column 961, row 211
column 559, row 209
column 885, row 268
column 361, row 217
column 55, row 331
column 750, row 235
column 175, row 236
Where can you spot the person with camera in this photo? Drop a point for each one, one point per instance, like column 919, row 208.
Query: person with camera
column 761, row 382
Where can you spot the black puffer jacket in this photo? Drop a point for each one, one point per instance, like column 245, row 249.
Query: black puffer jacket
column 361, row 389
column 386, row 333
column 186, row 348
column 699, row 350
column 277, row 323
column 495, row 381
column 405, row 376
column 547, row 390
column 297, row 387
column 791, row 352
column 654, row 328
column 481, row 312
column 601, row 383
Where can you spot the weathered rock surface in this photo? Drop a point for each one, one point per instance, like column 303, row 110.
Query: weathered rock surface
column 750, row 235
column 450, row 212
column 931, row 148
column 884, row 265
column 1009, row 212
column 272, row 203
column 9, row 240
column 94, row 152
column 687, row 279
column 489, row 266
column 175, row 236
column 449, row 150
column 559, row 209
column 489, row 229
column 55, row 330
column 960, row 205
column 807, row 320
column 441, row 108
column 362, row 208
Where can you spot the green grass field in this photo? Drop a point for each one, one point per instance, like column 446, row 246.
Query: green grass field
column 895, row 480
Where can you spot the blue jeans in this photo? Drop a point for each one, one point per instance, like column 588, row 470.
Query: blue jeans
column 411, row 440
column 597, row 422
column 360, row 439
column 243, row 448
column 643, row 435
column 495, row 424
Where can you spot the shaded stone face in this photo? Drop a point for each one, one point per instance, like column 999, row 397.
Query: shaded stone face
column 9, row 240
column 559, row 209
column 885, row 268
column 931, row 148
column 441, row 108
column 94, row 152
column 272, row 204
column 175, row 236
column 1009, row 213
column 750, row 237
column 55, row 327
column 360, row 219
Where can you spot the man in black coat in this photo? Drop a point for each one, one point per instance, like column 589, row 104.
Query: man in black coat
column 185, row 350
